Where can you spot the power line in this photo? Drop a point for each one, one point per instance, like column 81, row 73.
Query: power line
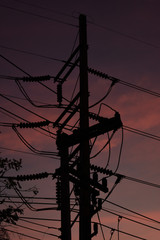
column 126, row 233
column 129, row 219
column 139, row 214
column 22, row 234
column 38, row 224
column 24, row 152
column 116, row 80
column 41, row 219
column 38, row 15
column 139, row 181
column 142, row 133
column 50, row 234
column 44, row 8
column 124, row 35
column 32, row 53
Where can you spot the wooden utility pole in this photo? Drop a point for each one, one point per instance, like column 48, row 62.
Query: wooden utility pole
column 65, row 194
column 85, row 216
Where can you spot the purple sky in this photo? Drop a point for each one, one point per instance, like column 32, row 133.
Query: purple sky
column 124, row 42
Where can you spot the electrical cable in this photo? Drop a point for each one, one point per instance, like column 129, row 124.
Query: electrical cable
column 106, row 95
column 125, row 35
column 22, row 90
column 138, row 180
column 116, row 80
column 41, row 219
column 100, row 226
column 32, row 54
column 142, row 133
column 19, row 84
column 25, row 121
column 139, row 214
column 19, row 105
column 129, row 219
column 44, row 8
column 120, row 152
column 126, row 233
column 38, row 15
column 31, row 147
column 113, row 187
column 22, row 234
column 38, row 224
column 103, row 146
column 1, row 95
column 109, row 152
column 38, row 231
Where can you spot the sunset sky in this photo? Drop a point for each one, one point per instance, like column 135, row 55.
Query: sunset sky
column 123, row 42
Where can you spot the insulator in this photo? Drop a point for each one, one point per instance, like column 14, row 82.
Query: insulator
column 94, row 116
column 36, row 79
column 58, row 193
column 34, row 124
column 101, row 170
column 59, row 93
column 32, row 176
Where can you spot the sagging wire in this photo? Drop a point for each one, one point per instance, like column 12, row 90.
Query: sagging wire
column 120, row 153
column 103, row 146
column 23, row 120
column 21, row 87
column 106, row 95
column 118, row 180
column 22, row 90
column 31, row 147
column 24, row 201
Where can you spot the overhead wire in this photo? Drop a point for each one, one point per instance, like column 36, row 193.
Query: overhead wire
column 21, row 87
column 38, row 15
column 125, row 233
column 104, row 97
column 129, row 219
column 120, row 152
column 116, row 80
column 38, row 224
column 142, row 133
column 26, row 109
column 138, row 180
column 129, row 210
column 28, row 145
column 126, row 35
column 95, row 155
column 32, row 54
column 100, row 225
column 38, row 231
column 21, row 119
column 22, row 234
column 44, row 8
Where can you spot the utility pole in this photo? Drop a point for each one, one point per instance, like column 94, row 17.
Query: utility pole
column 65, row 198
column 85, row 215
column 78, row 171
